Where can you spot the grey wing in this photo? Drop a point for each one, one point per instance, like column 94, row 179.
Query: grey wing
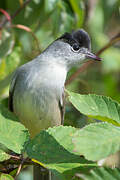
column 62, row 107
column 11, row 91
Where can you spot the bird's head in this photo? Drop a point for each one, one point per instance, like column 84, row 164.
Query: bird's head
column 72, row 48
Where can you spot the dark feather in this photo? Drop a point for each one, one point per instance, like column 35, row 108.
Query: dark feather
column 10, row 101
column 11, row 92
column 62, row 108
column 80, row 37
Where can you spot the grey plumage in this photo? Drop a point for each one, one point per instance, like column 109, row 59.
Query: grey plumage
column 34, row 98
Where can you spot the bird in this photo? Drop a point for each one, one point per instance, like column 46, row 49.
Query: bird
column 36, row 93
column 37, row 88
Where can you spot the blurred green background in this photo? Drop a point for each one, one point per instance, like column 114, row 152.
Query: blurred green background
column 34, row 26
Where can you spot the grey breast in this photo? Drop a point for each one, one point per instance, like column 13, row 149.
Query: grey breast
column 34, row 102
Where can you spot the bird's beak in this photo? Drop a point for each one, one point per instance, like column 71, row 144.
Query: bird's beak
column 92, row 56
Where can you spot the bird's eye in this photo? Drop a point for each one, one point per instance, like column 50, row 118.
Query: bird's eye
column 75, row 47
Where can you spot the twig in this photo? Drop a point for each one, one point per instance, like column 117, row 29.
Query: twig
column 7, row 18
column 15, row 14
column 15, row 157
column 112, row 41
column 27, row 29
column 20, row 9
column 81, row 69
column 6, row 14
column 20, row 167
column 16, row 160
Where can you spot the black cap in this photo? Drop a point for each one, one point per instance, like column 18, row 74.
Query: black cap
column 80, row 37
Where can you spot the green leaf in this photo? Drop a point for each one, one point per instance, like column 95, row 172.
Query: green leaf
column 6, row 43
column 12, row 134
column 61, row 15
column 100, row 107
column 3, row 155
column 10, row 63
column 53, row 149
column 7, row 114
column 6, row 177
column 97, row 141
column 50, row 5
column 78, row 8
column 102, row 174
column 7, row 66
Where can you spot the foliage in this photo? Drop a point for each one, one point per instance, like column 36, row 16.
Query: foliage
column 13, row 134
column 95, row 142
column 26, row 28
column 102, row 174
column 6, row 177
column 98, row 107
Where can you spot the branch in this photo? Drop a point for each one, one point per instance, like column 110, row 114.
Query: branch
column 7, row 17
column 81, row 69
column 15, row 14
column 109, row 44
column 20, row 167
column 16, row 160
column 6, row 14
column 27, row 29
column 20, row 9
